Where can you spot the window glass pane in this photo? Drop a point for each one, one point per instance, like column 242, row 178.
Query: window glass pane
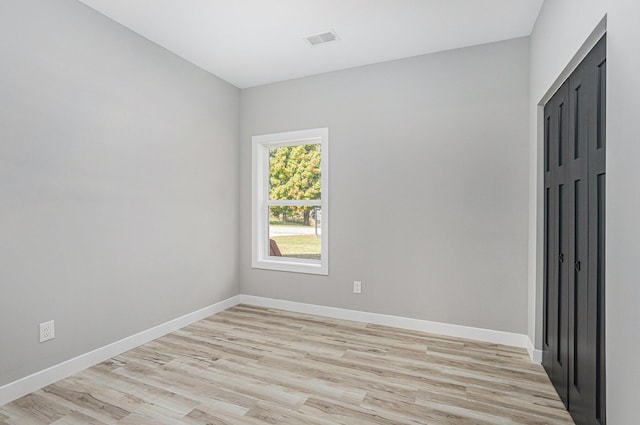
column 294, row 172
column 295, row 232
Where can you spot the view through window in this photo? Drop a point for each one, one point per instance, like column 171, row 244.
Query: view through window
column 295, row 175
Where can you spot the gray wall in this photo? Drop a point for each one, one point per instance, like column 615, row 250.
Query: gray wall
column 118, row 184
column 557, row 36
column 428, row 177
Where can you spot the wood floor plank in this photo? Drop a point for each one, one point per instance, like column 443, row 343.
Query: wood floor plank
column 253, row 365
column 77, row 418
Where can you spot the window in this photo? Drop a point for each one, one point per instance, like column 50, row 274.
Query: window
column 290, row 201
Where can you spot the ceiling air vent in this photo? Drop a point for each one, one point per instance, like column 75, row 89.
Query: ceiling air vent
column 320, row 39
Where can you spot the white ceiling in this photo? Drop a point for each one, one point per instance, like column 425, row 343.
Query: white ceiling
column 253, row 42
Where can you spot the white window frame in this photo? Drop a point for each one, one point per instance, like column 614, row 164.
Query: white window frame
column 260, row 258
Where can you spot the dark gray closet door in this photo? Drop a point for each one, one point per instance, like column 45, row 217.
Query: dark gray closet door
column 573, row 322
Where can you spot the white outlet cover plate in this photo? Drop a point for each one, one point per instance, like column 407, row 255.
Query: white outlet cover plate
column 357, row 287
column 47, row 331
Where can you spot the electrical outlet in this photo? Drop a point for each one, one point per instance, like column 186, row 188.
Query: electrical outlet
column 47, row 331
column 357, row 287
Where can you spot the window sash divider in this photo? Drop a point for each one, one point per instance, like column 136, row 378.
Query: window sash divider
column 291, row 203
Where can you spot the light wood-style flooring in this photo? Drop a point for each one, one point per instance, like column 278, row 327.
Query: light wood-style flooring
column 251, row 365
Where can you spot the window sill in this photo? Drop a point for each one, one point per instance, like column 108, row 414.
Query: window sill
column 295, row 266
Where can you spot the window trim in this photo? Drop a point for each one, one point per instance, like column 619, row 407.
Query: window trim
column 260, row 258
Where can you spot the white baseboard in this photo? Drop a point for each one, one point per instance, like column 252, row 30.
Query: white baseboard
column 34, row 382
column 536, row 355
column 478, row 334
column 26, row 385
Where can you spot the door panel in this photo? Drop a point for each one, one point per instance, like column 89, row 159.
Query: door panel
column 556, row 313
column 594, row 407
column 581, row 377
